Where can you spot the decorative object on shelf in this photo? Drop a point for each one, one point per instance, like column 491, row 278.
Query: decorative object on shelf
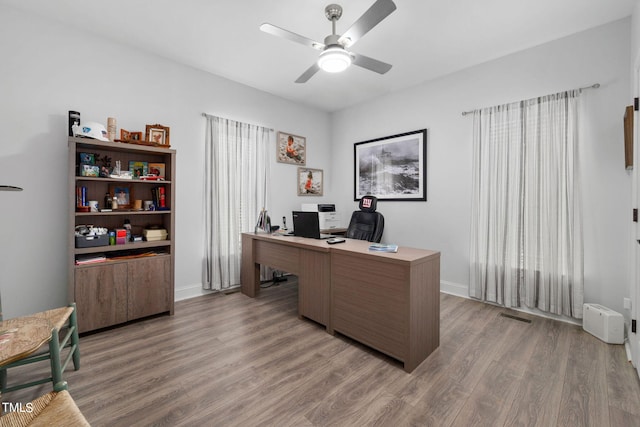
column 291, row 149
column 123, row 194
column 93, row 130
column 392, row 168
column 138, row 169
column 155, row 136
column 89, row 170
column 111, row 128
column 157, row 169
column 74, row 122
column 158, row 135
column 105, row 165
column 310, row 182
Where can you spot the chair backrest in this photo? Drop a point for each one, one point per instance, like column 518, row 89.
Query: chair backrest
column 366, row 224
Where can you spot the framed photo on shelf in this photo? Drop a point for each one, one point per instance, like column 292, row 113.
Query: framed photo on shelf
column 157, row 169
column 158, row 135
column 310, row 182
column 123, row 194
column 291, row 149
column 135, row 136
column 392, row 168
column 125, row 135
column 138, row 169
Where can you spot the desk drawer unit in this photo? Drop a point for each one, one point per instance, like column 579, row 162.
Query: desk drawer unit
column 371, row 305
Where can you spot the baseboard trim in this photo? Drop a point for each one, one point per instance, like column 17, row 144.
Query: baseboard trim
column 192, row 291
column 462, row 291
column 455, row 289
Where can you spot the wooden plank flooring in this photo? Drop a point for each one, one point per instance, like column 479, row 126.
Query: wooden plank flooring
column 228, row 360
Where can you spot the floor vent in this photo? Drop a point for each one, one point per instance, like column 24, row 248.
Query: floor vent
column 511, row 316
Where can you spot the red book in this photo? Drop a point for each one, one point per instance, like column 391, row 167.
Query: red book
column 161, row 197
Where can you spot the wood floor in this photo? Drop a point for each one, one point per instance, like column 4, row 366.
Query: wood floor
column 228, row 360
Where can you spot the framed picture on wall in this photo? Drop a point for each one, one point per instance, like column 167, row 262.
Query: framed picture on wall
column 392, row 168
column 291, row 149
column 310, row 182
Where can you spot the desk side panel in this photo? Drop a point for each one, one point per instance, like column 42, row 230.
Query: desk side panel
column 424, row 322
column 314, row 285
column 369, row 302
column 249, row 270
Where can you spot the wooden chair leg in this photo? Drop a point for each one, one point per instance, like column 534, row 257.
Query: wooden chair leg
column 75, row 338
column 54, row 354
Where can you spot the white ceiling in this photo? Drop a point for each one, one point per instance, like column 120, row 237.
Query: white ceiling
column 422, row 39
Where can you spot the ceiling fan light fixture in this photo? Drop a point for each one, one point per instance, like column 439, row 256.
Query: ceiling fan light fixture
column 334, row 60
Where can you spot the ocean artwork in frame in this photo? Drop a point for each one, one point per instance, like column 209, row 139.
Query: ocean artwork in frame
column 392, row 168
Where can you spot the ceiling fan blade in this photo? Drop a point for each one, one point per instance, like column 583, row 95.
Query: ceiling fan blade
column 281, row 32
column 309, row 73
column 370, row 63
column 372, row 17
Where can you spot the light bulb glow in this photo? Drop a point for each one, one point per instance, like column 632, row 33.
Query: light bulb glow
column 334, row 60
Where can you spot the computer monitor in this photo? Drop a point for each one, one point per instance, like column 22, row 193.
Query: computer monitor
column 307, row 224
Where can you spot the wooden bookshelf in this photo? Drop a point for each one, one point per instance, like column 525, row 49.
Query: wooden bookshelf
column 137, row 279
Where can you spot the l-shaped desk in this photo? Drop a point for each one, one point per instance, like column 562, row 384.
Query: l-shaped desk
column 388, row 301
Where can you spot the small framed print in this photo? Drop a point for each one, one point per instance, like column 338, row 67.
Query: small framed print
column 123, row 194
column 310, row 182
column 158, row 135
column 125, row 135
column 136, row 136
column 157, row 169
column 291, row 149
column 138, row 169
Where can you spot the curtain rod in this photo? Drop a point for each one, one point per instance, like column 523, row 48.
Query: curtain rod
column 593, row 86
column 211, row 115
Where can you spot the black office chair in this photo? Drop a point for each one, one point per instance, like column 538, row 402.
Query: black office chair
column 366, row 224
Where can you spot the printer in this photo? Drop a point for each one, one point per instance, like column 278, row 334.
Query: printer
column 327, row 215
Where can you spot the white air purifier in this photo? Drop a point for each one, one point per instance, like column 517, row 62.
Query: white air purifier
column 603, row 323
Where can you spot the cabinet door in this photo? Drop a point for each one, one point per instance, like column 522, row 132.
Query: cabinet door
column 101, row 295
column 149, row 282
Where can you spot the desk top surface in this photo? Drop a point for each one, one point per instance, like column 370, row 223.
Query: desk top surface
column 351, row 247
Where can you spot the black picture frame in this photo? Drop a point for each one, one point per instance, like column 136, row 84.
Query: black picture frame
column 392, row 168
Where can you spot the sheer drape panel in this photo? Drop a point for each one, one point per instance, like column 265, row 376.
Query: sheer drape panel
column 236, row 173
column 526, row 241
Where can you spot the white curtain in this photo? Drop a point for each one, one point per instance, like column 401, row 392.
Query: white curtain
column 526, row 229
column 236, row 177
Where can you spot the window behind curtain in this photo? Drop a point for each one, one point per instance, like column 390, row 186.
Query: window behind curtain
column 526, row 240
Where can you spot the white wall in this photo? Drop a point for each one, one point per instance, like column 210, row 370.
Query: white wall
column 46, row 70
column 600, row 56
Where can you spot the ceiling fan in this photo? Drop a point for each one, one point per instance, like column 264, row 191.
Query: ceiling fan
column 335, row 57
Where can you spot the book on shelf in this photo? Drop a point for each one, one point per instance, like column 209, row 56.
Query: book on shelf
column 90, row 259
column 380, row 247
column 159, row 197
